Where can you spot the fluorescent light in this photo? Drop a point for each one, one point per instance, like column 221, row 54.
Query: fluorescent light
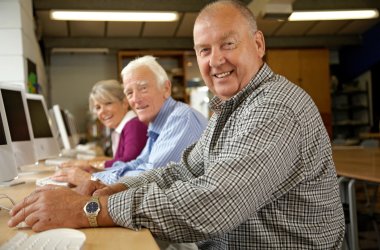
column 80, row 50
column 333, row 15
column 132, row 16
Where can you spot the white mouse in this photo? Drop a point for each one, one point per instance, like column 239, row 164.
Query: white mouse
column 22, row 225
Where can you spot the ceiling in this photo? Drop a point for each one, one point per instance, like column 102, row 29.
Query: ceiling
column 178, row 35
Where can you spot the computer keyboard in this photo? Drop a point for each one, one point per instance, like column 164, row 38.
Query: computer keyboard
column 48, row 181
column 57, row 161
column 60, row 238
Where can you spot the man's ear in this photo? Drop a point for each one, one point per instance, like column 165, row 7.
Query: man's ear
column 260, row 43
column 167, row 89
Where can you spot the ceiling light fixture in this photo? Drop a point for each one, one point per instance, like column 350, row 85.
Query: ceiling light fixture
column 131, row 16
column 81, row 50
column 333, row 15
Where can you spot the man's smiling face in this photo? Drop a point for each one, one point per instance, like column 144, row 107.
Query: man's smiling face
column 229, row 52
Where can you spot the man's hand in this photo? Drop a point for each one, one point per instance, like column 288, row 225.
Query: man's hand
column 99, row 189
column 108, row 190
column 81, row 164
column 89, row 187
column 50, row 207
column 72, row 175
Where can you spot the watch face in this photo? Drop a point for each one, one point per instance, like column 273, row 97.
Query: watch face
column 92, row 207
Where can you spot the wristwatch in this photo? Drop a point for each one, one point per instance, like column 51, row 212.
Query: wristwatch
column 92, row 209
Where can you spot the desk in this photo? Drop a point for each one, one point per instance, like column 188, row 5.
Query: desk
column 356, row 164
column 369, row 135
column 96, row 238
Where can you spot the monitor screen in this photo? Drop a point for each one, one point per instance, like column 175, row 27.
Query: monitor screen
column 44, row 141
column 62, row 126
column 66, row 122
column 14, row 109
column 40, row 122
column 3, row 139
column 8, row 167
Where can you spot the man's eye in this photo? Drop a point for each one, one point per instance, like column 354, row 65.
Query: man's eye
column 229, row 45
column 203, row 51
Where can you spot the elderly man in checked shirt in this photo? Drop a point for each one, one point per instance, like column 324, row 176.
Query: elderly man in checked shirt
column 260, row 177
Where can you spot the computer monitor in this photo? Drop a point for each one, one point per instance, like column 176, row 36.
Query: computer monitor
column 8, row 167
column 54, row 128
column 70, row 119
column 44, row 140
column 16, row 112
column 63, row 127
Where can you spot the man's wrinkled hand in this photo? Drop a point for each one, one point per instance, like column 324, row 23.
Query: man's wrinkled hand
column 89, row 187
column 109, row 190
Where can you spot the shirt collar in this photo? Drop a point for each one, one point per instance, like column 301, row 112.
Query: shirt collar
column 160, row 120
column 217, row 104
column 127, row 117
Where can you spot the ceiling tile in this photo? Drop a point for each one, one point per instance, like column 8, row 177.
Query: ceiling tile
column 327, row 27
column 358, row 26
column 120, row 29
column 187, row 24
column 87, row 29
column 183, row 28
column 268, row 27
column 51, row 28
column 294, row 28
column 159, row 29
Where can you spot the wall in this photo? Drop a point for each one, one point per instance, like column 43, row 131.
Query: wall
column 355, row 60
column 18, row 42
column 72, row 77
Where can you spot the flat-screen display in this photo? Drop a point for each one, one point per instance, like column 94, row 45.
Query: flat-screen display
column 40, row 122
column 17, row 125
column 66, row 122
column 44, row 141
column 16, row 116
column 62, row 126
column 8, row 167
column 3, row 139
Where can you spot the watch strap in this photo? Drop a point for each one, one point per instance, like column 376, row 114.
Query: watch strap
column 92, row 217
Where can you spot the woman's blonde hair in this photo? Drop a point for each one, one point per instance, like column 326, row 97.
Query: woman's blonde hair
column 106, row 91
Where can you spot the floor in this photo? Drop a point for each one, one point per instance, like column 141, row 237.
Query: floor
column 367, row 235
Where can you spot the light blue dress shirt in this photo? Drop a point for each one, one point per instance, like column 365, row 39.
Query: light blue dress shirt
column 176, row 127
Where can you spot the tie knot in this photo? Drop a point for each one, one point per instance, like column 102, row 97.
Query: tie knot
column 152, row 135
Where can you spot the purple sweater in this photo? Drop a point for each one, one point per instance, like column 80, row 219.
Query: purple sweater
column 132, row 141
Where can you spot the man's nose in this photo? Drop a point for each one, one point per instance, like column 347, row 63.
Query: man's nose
column 216, row 58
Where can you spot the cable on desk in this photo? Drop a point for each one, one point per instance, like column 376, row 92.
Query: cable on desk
column 5, row 196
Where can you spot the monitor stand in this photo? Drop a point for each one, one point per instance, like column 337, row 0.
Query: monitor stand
column 11, row 183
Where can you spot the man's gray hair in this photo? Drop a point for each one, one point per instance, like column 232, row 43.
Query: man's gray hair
column 244, row 11
column 151, row 63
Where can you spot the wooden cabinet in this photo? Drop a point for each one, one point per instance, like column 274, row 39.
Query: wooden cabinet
column 174, row 63
column 309, row 69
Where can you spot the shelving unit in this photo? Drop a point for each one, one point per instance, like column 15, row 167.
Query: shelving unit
column 351, row 111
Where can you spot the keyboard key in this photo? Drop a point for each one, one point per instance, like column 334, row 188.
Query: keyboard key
column 60, row 238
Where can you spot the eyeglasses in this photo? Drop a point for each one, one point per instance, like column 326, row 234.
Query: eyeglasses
column 4, row 196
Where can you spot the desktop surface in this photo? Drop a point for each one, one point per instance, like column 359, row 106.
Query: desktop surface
column 96, row 238
column 358, row 163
